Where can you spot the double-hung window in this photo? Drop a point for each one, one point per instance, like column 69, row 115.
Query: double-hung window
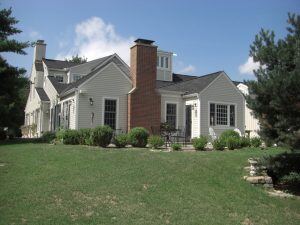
column 110, row 112
column 76, row 77
column 221, row 114
column 171, row 114
column 59, row 78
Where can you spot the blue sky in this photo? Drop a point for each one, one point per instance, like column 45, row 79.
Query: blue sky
column 207, row 36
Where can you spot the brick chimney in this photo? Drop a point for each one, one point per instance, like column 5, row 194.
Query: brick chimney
column 143, row 100
column 39, row 50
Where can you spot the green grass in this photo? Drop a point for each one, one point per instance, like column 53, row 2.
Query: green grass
column 56, row 184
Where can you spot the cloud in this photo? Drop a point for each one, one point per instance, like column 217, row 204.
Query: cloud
column 188, row 69
column 95, row 38
column 249, row 66
column 34, row 35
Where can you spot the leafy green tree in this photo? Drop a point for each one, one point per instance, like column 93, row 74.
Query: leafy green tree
column 275, row 95
column 13, row 84
column 77, row 59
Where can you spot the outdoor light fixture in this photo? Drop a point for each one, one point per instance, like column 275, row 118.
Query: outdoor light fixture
column 91, row 101
column 194, row 106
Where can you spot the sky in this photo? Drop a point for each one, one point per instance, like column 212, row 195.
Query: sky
column 206, row 36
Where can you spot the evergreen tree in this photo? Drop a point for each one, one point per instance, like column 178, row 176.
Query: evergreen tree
column 77, row 59
column 275, row 95
column 13, row 84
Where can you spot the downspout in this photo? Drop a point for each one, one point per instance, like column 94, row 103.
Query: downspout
column 77, row 109
column 199, row 114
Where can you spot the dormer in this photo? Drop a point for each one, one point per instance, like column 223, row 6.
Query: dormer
column 164, row 65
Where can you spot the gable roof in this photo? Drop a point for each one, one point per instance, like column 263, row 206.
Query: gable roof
column 189, row 84
column 106, row 60
column 59, row 87
column 42, row 94
column 59, row 64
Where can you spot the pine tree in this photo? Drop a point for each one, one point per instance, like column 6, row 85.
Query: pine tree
column 12, row 81
column 275, row 95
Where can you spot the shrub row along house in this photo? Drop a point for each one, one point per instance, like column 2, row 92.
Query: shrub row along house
column 106, row 91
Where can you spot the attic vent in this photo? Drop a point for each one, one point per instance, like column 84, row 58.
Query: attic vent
column 143, row 41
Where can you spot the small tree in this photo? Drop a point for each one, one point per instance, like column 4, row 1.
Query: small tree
column 77, row 59
column 275, row 96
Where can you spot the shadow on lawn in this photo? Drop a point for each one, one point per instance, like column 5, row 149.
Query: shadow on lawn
column 284, row 170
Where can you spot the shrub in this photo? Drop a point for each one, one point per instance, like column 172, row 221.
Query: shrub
column 245, row 142
column 292, row 179
column 60, row 134
column 121, row 140
column 48, row 136
column 199, row 143
column 138, row 137
column 155, row 141
column 176, row 147
column 70, row 137
column 101, row 136
column 232, row 142
column 219, row 144
column 229, row 133
column 255, row 142
column 2, row 134
column 85, row 136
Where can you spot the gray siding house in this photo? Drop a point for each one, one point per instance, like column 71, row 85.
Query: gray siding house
column 106, row 91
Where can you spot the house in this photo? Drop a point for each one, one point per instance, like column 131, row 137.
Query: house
column 107, row 91
column 251, row 123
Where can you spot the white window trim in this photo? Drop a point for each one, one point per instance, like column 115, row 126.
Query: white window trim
column 59, row 75
column 177, row 113
column 77, row 74
column 117, row 111
column 164, row 60
column 228, row 114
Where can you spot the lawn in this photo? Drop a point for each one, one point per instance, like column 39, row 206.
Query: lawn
column 56, row 184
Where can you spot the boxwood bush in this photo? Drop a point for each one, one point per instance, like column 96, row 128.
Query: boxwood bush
column 229, row 133
column 245, row 142
column 85, row 136
column 121, row 140
column 176, row 147
column 48, row 136
column 155, row 141
column 219, row 144
column 101, row 136
column 70, row 137
column 232, row 142
column 255, row 142
column 199, row 143
column 138, row 137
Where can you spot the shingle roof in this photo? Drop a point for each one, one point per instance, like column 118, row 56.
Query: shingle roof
column 190, row 85
column 42, row 94
column 236, row 83
column 59, row 87
column 114, row 59
column 59, row 64
column 176, row 79
column 39, row 66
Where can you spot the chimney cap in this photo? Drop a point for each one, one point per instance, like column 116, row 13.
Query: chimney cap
column 40, row 41
column 144, row 41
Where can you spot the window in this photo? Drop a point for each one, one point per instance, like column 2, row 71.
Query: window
column 76, row 77
column 162, row 62
column 110, row 112
column 222, row 114
column 171, row 115
column 59, row 78
column 167, row 62
column 157, row 61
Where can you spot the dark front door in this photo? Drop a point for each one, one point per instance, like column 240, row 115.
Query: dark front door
column 188, row 121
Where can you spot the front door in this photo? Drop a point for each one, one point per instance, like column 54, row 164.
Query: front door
column 188, row 121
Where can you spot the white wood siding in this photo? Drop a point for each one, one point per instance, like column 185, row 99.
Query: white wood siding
column 221, row 90
column 109, row 82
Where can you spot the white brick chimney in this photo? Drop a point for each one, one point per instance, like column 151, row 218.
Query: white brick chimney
column 39, row 50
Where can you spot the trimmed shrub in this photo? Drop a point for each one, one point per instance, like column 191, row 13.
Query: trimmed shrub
column 2, row 134
column 199, row 143
column 229, row 133
column 71, row 137
column 60, row 134
column 255, row 142
column 232, row 142
column 245, row 142
column 138, row 137
column 101, row 136
column 176, row 147
column 155, row 141
column 121, row 140
column 48, row 136
column 85, row 136
column 219, row 144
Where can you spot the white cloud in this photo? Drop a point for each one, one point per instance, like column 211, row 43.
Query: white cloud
column 34, row 35
column 249, row 66
column 188, row 69
column 94, row 39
